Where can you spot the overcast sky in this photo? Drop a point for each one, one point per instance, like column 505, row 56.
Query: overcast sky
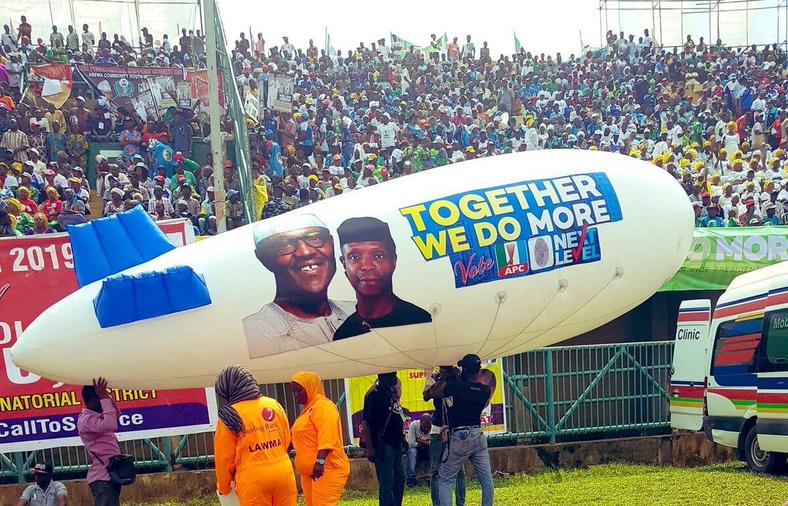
column 541, row 25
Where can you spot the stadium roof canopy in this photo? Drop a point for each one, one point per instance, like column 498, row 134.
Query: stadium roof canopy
column 124, row 17
column 736, row 22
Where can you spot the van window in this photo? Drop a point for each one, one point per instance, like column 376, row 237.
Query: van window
column 735, row 345
column 774, row 355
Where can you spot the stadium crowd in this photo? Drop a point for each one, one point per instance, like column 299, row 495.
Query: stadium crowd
column 713, row 117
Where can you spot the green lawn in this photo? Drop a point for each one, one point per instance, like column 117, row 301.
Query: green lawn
column 616, row 484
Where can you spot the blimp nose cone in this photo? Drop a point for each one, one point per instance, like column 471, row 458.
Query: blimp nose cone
column 45, row 344
column 29, row 352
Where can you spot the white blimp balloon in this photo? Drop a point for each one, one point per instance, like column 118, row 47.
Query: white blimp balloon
column 492, row 256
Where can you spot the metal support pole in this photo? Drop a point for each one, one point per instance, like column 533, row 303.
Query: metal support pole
column 214, row 114
column 710, row 39
column 19, row 464
column 71, row 12
column 202, row 23
column 167, row 451
column 602, row 41
column 653, row 21
column 548, row 383
column 681, row 24
column 139, row 23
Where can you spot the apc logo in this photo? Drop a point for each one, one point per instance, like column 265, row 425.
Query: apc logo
column 268, row 414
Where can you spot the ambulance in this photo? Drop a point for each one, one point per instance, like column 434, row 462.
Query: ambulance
column 730, row 368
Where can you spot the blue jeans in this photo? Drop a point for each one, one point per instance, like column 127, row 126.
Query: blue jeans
column 391, row 478
column 436, row 455
column 414, row 455
column 465, row 445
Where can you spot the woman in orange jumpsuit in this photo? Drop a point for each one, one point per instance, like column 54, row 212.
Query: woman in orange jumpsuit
column 251, row 443
column 317, row 439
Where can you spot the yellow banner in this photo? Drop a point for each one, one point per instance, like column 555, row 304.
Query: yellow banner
column 412, row 401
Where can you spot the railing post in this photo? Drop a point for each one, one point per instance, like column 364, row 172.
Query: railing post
column 168, row 452
column 548, row 373
column 19, row 464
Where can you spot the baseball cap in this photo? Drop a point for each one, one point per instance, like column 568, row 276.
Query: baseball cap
column 42, row 468
column 470, row 360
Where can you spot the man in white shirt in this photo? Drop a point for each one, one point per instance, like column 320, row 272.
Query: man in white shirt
column 387, row 131
column 7, row 39
column 88, row 40
column 367, row 179
column 11, row 182
column 418, row 445
column 468, row 49
column 336, row 169
column 72, row 39
column 38, row 166
column 647, row 40
column 288, row 47
column 45, row 491
column 661, row 146
column 301, row 313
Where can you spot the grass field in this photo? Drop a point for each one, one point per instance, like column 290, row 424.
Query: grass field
column 609, row 485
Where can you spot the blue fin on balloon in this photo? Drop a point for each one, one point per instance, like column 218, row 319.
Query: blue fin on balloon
column 129, row 298
column 109, row 245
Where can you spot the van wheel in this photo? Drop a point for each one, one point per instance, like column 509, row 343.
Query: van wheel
column 758, row 460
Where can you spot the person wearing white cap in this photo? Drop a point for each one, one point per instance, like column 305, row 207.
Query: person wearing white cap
column 35, row 158
column 115, row 205
column 299, row 251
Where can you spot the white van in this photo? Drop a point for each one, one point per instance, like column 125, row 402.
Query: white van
column 730, row 368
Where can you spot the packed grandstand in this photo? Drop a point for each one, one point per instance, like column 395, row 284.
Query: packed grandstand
column 712, row 116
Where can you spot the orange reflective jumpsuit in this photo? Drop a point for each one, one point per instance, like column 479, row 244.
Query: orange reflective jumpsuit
column 256, row 459
column 319, row 428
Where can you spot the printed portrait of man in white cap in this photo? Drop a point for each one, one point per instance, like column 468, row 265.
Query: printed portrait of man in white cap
column 299, row 251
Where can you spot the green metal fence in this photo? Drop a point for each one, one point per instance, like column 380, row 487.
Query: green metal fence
column 552, row 394
column 572, row 392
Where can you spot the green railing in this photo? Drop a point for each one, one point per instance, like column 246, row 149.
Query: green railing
column 552, row 394
column 575, row 392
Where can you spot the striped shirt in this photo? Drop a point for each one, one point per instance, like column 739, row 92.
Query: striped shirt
column 16, row 141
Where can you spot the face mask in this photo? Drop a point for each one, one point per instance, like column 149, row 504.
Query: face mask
column 43, row 481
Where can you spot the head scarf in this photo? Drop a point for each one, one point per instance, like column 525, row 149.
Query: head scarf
column 14, row 202
column 235, row 384
column 310, row 382
column 43, row 218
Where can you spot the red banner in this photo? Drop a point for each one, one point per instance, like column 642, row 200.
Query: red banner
column 56, row 84
column 36, row 272
column 198, row 81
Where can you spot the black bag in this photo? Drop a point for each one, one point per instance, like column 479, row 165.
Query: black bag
column 121, row 470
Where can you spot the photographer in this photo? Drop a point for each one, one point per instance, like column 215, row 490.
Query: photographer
column 437, row 445
column 466, row 442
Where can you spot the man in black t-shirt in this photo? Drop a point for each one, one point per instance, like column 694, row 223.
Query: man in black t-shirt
column 436, row 442
column 383, row 422
column 467, row 442
column 369, row 257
